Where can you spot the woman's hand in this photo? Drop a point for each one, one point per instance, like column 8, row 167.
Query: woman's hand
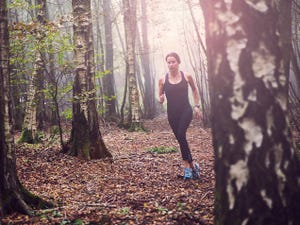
column 161, row 94
column 197, row 112
column 161, row 99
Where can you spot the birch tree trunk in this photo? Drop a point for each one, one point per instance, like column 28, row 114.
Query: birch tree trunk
column 130, row 37
column 86, row 140
column 41, row 67
column 257, row 170
column 13, row 196
column 34, row 111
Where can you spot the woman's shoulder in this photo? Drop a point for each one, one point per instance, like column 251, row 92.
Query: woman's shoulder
column 162, row 79
column 187, row 76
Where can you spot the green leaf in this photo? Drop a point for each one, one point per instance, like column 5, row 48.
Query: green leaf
column 77, row 222
column 162, row 150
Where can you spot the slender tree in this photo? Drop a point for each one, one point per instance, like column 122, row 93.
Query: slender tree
column 86, row 140
column 199, row 61
column 149, row 97
column 130, row 37
column 40, row 66
column 100, row 56
column 108, row 79
column 13, row 196
column 257, row 170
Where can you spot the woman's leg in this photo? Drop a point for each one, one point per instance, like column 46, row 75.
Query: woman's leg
column 183, row 125
column 179, row 125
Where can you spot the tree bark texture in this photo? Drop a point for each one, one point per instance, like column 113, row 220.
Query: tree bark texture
column 86, row 140
column 130, row 37
column 257, row 170
column 40, row 66
column 34, row 111
column 13, row 196
column 7, row 164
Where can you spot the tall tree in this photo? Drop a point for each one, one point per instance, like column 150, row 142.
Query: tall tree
column 257, row 170
column 130, row 37
column 40, row 65
column 108, row 79
column 13, row 196
column 86, row 140
column 34, row 112
column 100, row 56
column 149, row 97
column 199, row 67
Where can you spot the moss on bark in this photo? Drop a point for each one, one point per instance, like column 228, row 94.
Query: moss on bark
column 26, row 136
column 35, row 201
column 136, row 127
column 23, row 201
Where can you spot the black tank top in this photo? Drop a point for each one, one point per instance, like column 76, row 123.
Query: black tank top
column 177, row 95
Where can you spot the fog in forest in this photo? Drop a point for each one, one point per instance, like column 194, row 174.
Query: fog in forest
column 85, row 138
column 170, row 28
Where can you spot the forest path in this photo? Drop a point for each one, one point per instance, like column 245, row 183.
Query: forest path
column 139, row 187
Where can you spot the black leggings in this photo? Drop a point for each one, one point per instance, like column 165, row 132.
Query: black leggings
column 179, row 123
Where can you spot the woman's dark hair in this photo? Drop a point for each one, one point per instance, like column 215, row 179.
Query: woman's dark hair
column 175, row 55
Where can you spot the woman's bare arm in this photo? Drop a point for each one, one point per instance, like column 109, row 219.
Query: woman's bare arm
column 161, row 96
column 195, row 95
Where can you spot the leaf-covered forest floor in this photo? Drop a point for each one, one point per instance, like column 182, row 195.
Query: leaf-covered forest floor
column 139, row 187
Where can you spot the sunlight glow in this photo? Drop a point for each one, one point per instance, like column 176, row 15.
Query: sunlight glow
column 169, row 28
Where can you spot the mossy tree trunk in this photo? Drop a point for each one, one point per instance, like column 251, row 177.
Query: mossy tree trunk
column 257, row 170
column 13, row 196
column 86, row 140
column 29, row 127
column 134, row 118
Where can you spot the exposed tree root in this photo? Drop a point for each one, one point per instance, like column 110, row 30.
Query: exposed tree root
column 23, row 201
column 35, row 201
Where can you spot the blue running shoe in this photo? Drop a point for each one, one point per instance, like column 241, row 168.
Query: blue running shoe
column 187, row 173
column 196, row 171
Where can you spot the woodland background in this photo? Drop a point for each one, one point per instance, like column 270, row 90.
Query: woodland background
column 77, row 66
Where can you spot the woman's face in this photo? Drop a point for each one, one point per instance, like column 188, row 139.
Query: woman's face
column 172, row 63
